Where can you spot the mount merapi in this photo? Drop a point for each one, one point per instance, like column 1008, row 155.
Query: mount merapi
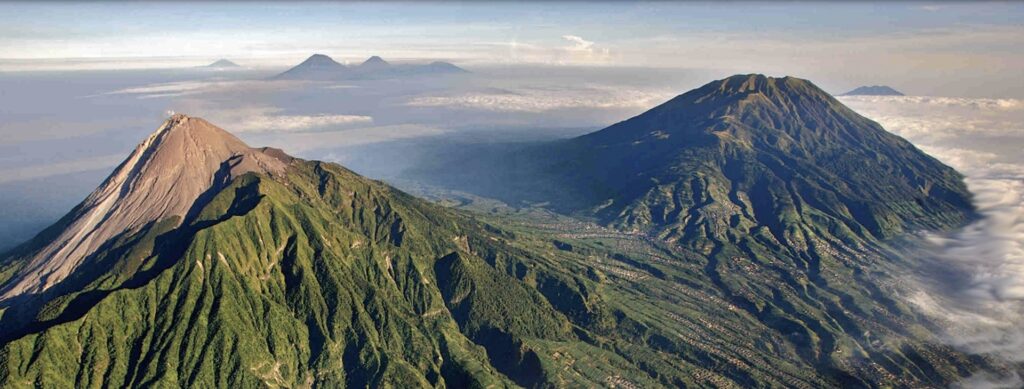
column 319, row 67
column 755, row 213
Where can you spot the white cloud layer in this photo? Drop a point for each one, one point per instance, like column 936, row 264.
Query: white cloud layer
column 548, row 99
column 195, row 87
column 981, row 300
column 298, row 123
column 261, row 119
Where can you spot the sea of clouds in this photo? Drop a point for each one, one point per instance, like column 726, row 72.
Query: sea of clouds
column 548, row 99
column 979, row 292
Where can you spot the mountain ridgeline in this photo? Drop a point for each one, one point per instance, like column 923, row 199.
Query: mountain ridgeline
column 319, row 67
column 747, row 247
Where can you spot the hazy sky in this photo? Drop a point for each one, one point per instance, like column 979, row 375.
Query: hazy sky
column 937, row 48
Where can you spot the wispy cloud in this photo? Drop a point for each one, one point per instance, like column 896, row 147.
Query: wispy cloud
column 579, row 51
column 262, row 119
column 297, row 123
column 195, row 87
column 579, row 44
column 170, row 89
column 583, row 51
column 305, row 142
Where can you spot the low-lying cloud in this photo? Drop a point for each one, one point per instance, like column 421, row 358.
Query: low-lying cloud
column 196, row 87
column 979, row 295
column 931, row 120
column 262, row 119
column 536, row 100
column 298, row 123
column 305, row 142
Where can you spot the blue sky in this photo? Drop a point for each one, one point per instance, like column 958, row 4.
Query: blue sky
column 892, row 41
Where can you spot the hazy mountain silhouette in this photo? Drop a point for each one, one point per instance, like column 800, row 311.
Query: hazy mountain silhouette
column 876, row 90
column 321, row 67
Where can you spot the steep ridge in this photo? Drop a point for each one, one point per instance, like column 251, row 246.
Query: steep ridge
column 162, row 178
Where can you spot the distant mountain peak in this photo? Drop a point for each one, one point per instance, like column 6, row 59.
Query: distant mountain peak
column 320, row 60
column 873, row 90
column 223, row 63
column 374, row 61
column 161, row 179
column 445, row 67
column 319, row 67
column 316, row 67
